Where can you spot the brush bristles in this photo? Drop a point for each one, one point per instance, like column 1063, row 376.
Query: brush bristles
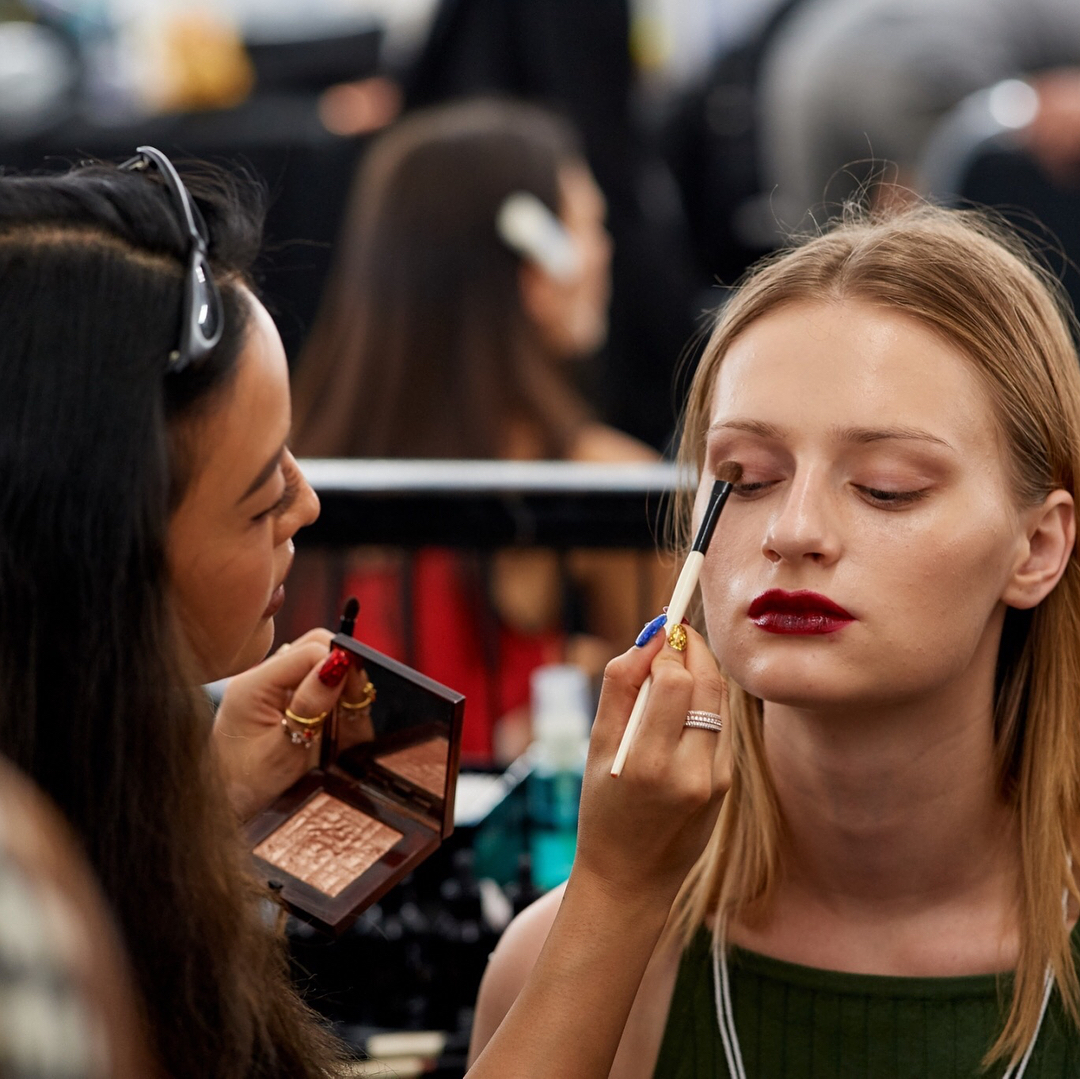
column 729, row 472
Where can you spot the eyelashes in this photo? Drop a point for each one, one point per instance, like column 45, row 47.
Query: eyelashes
column 284, row 503
column 885, row 499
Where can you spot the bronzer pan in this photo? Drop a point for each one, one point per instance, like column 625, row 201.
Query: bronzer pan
column 381, row 800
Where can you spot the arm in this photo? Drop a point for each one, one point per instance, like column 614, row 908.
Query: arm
column 638, row 837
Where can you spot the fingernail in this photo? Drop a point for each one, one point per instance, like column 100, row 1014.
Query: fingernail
column 334, row 668
column 651, row 630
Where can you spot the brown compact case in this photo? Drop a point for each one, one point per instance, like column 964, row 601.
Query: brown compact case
column 381, row 800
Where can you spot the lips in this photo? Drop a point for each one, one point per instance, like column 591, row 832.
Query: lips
column 797, row 613
column 277, row 598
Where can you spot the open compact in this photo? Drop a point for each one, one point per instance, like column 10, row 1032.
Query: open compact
column 381, row 800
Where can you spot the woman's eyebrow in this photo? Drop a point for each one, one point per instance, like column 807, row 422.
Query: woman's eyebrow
column 863, row 435
column 753, row 427
column 264, row 474
column 856, row 435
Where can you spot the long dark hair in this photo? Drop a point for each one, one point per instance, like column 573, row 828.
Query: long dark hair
column 96, row 704
column 422, row 347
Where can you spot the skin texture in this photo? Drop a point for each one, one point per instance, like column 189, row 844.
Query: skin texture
column 230, row 549
column 572, row 315
column 900, row 856
column 230, row 540
column 924, row 577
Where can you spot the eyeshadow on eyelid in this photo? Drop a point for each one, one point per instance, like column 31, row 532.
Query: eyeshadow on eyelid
column 327, row 844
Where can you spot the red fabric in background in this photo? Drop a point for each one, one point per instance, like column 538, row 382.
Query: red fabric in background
column 450, row 630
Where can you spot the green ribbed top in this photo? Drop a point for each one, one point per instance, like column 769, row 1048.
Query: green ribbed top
column 797, row 1022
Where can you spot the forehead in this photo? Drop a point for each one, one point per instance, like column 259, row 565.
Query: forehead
column 252, row 421
column 852, row 364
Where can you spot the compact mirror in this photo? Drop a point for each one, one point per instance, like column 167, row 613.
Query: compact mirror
column 381, row 800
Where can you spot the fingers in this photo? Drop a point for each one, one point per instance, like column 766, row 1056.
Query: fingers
column 681, row 681
column 622, row 679
column 287, row 668
column 674, row 692
column 356, row 682
column 319, row 634
column 321, row 686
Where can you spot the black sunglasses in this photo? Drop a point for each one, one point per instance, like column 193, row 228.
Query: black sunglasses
column 201, row 322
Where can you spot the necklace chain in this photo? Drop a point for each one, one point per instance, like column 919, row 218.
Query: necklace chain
column 725, row 1014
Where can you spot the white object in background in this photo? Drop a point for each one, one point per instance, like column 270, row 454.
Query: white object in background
column 561, row 716
column 528, row 227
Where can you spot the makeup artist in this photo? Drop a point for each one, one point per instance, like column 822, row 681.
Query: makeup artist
column 894, row 593
column 148, row 502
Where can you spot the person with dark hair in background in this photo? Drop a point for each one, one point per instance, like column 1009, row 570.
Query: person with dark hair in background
column 148, row 502
column 473, row 272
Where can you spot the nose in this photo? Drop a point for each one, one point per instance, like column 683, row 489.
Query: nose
column 308, row 507
column 804, row 526
column 303, row 511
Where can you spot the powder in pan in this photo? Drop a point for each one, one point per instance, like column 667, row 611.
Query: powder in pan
column 327, row 844
column 423, row 764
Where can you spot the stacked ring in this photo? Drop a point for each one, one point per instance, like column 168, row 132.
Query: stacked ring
column 365, row 701
column 310, row 726
column 704, row 721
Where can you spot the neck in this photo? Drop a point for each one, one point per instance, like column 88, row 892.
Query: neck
column 898, row 805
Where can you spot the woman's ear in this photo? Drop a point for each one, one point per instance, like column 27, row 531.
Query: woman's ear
column 1051, row 535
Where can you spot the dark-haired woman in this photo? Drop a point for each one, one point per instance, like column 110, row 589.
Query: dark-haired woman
column 450, row 329
column 148, row 502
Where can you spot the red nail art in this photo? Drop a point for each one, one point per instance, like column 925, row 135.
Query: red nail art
column 334, row 668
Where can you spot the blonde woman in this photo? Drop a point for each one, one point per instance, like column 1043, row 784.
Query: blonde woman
column 894, row 594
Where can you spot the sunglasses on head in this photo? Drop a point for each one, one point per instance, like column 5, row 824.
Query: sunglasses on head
column 201, row 320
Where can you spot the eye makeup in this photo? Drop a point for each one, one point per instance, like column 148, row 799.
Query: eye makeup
column 380, row 801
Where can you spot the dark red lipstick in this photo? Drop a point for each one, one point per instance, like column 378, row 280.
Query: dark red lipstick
column 802, row 613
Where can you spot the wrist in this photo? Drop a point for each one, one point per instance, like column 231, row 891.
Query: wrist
column 646, row 904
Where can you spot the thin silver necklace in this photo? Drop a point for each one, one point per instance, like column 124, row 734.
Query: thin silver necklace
column 725, row 1014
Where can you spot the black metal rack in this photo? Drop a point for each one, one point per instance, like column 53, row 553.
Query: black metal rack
column 489, row 504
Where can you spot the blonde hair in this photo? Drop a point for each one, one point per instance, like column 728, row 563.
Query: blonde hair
column 975, row 285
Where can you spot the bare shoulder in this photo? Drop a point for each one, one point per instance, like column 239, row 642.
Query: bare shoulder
column 509, row 965
column 597, row 443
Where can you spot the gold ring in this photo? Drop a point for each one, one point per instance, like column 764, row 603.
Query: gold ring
column 313, row 721
column 677, row 637
column 364, row 702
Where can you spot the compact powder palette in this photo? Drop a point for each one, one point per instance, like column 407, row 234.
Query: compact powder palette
column 381, row 800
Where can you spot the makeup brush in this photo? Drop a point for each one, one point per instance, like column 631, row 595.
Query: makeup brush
column 728, row 474
column 348, row 616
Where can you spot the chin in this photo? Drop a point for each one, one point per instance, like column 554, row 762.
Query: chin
column 253, row 651
column 798, row 686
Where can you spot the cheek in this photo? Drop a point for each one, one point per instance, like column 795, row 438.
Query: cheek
column 222, row 597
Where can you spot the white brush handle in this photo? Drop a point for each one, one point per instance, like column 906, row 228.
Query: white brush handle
column 680, row 600
column 684, row 588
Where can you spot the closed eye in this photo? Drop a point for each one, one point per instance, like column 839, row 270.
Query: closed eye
column 288, row 497
column 891, row 498
column 748, row 490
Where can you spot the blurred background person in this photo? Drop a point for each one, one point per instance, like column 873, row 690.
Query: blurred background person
column 851, row 89
column 450, row 328
column 69, row 1009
